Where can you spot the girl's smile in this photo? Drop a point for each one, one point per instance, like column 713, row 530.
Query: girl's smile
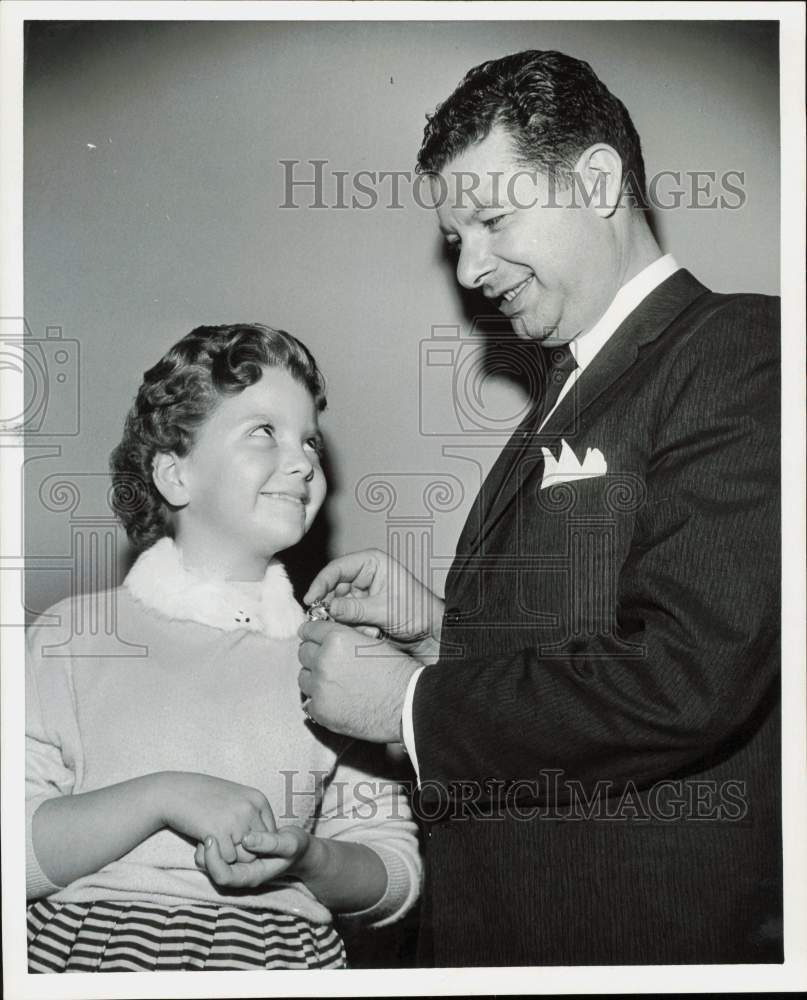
column 252, row 483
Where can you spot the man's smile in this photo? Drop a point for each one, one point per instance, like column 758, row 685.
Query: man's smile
column 508, row 297
column 511, row 293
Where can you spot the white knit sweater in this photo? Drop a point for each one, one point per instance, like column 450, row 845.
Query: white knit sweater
column 190, row 674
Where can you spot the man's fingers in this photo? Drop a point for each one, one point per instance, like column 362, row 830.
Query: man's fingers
column 304, row 682
column 308, row 654
column 369, row 630
column 356, row 568
column 316, row 631
column 338, row 571
column 348, row 610
column 322, row 584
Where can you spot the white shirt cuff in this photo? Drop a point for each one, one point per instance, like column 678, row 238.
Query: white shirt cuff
column 407, row 723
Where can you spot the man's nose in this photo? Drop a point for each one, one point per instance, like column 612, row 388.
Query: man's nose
column 475, row 263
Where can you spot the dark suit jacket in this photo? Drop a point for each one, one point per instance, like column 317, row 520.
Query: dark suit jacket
column 599, row 744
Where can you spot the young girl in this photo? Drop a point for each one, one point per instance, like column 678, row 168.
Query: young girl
column 150, row 775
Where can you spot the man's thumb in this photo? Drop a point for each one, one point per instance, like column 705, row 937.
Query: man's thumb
column 348, row 610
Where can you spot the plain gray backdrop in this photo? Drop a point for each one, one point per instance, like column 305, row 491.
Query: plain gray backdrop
column 153, row 187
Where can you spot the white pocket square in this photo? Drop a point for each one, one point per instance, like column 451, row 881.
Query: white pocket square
column 568, row 468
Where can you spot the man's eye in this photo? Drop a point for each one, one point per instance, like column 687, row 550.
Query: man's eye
column 453, row 247
column 493, row 223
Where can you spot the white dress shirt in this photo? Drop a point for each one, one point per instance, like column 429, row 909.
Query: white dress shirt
column 584, row 349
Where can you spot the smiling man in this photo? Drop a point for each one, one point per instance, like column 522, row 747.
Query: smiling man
column 593, row 710
column 519, row 234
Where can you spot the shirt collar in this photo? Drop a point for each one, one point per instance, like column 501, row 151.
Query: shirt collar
column 585, row 346
column 160, row 581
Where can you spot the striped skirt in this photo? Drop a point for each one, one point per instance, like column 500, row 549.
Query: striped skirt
column 139, row 936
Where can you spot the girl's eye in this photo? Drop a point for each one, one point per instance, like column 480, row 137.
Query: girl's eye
column 315, row 445
column 265, row 429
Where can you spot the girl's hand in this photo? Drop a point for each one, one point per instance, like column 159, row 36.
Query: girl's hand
column 201, row 806
column 287, row 851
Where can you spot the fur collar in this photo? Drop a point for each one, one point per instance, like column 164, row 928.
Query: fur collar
column 160, row 581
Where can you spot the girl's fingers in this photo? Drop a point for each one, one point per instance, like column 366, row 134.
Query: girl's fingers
column 268, row 820
column 283, row 844
column 217, row 868
column 287, row 844
column 279, row 847
column 261, row 843
column 199, row 856
column 243, row 855
column 226, row 848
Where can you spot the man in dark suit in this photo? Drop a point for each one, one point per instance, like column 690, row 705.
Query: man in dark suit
column 593, row 712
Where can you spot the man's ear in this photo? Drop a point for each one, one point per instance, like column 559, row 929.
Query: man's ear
column 600, row 170
column 167, row 473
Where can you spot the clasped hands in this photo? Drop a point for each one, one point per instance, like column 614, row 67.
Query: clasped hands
column 238, row 842
column 353, row 682
column 261, row 857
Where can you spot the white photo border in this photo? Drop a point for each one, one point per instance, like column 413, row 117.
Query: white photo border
column 790, row 976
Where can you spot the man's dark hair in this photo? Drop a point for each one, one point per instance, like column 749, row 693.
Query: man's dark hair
column 176, row 397
column 552, row 106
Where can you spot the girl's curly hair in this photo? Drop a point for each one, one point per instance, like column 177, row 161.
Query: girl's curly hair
column 176, row 397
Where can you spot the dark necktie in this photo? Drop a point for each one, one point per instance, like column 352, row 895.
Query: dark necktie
column 558, row 366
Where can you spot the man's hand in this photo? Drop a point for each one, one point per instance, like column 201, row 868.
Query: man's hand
column 370, row 588
column 353, row 685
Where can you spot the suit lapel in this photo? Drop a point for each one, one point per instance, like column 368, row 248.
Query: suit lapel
column 493, row 484
column 644, row 325
column 522, row 454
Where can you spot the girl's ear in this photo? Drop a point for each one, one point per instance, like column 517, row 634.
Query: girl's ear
column 166, row 471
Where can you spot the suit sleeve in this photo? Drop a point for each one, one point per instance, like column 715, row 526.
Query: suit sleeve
column 698, row 592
